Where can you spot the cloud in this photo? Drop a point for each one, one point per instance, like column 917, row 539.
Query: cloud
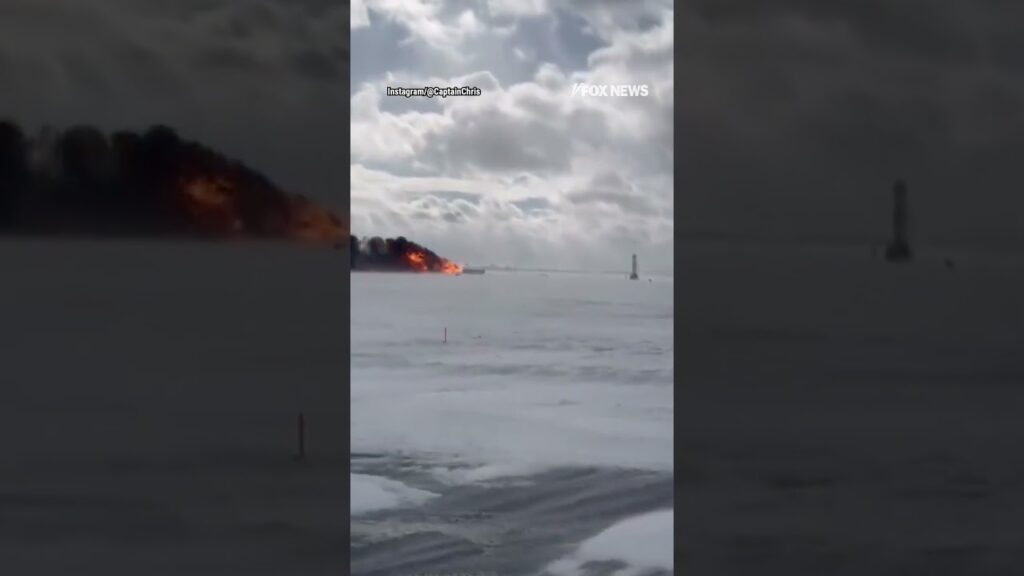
column 612, row 189
column 517, row 8
column 554, row 179
column 360, row 14
column 427, row 24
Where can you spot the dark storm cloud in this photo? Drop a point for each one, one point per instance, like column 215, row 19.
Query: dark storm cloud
column 260, row 80
column 799, row 114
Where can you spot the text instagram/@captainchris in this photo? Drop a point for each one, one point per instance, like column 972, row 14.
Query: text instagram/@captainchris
column 431, row 91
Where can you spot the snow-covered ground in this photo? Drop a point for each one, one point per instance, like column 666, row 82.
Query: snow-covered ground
column 841, row 415
column 148, row 402
column 638, row 545
column 545, row 419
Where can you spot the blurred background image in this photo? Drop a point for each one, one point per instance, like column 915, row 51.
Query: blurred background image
column 173, row 295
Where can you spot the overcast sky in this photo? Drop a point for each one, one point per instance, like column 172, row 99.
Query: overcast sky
column 260, row 80
column 796, row 115
column 525, row 174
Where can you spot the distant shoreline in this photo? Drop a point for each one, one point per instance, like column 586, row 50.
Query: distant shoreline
column 8, row 237
column 491, row 269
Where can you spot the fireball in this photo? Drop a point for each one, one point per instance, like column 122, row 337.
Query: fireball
column 417, row 260
column 449, row 267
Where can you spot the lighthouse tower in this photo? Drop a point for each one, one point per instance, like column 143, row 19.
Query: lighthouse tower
column 633, row 275
column 898, row 249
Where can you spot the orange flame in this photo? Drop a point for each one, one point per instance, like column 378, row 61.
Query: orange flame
column 417, row 260
column 449, row 267
column 211, row 203
column 313, row 223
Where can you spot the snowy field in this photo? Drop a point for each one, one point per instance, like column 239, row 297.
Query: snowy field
column 537, row 439
column 148, row 405
column 845, row 416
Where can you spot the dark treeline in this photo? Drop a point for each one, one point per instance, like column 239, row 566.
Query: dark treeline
column 395, row 254
column 154, row 183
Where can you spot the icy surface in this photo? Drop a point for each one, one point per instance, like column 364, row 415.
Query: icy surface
column 638, row 545
column 371, row 493
column 842, row 415
column 148, row 408
column 543, row 419
column 538, row 370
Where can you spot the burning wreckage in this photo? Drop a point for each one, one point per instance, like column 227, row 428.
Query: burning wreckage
column 152, row 184
column 399, row 255
column 82, row 181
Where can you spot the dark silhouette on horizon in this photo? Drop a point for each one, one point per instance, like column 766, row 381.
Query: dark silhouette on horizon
column 396, row 255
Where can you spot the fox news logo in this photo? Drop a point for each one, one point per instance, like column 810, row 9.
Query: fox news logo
column 582, row 89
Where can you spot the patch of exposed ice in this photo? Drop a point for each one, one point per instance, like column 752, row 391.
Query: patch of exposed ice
column 638, row 545
column 369, row 493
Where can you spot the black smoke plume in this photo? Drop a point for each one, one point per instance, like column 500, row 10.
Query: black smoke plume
column 81, row 181
column 396, row 255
